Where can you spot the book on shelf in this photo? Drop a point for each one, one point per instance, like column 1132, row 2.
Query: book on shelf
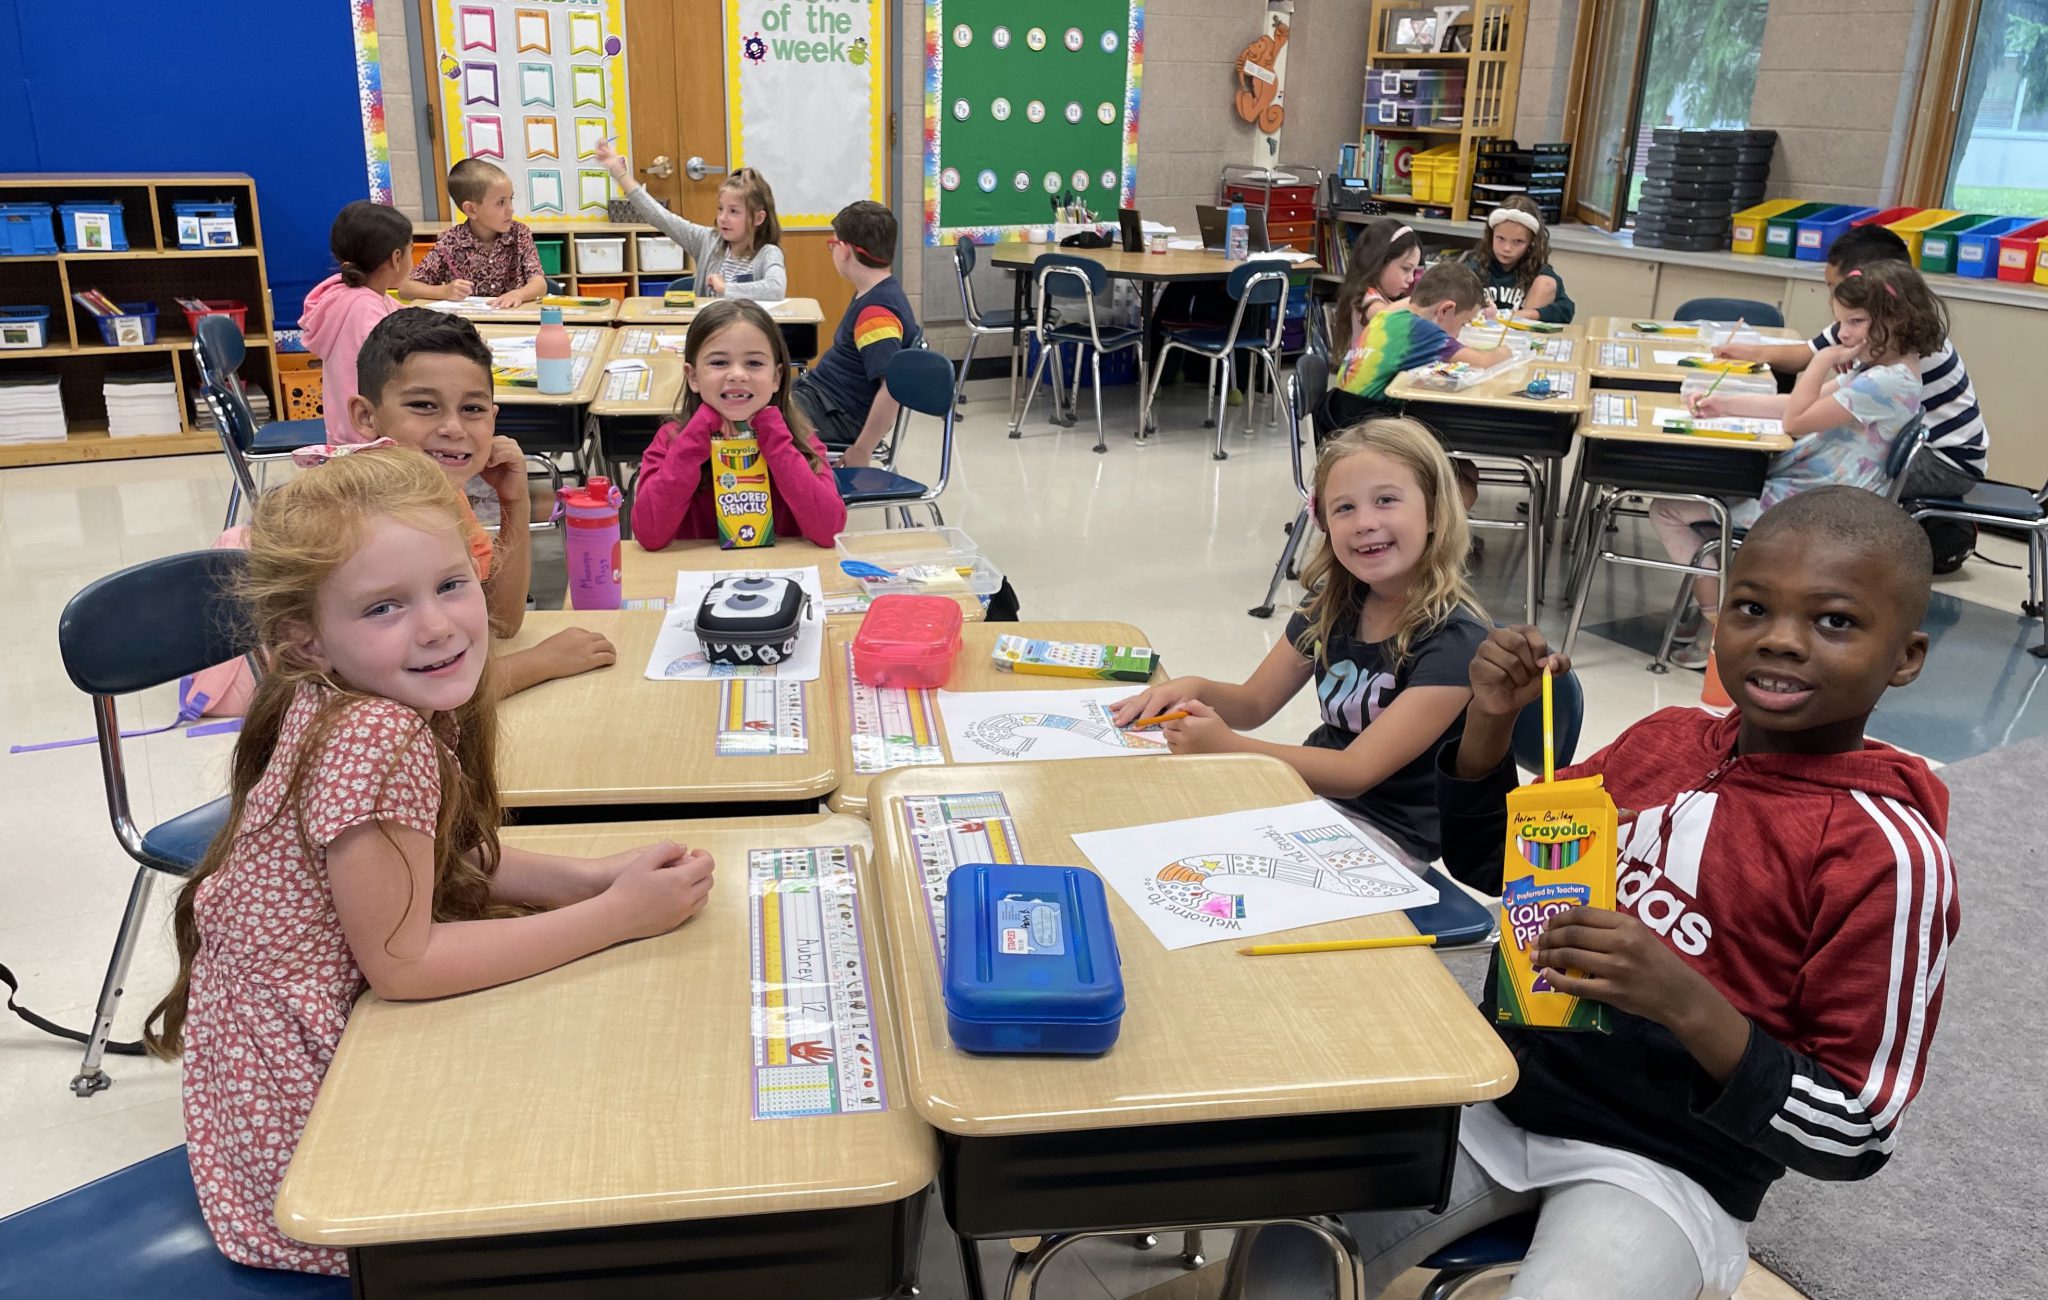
column 202, row 414
column 31, row 408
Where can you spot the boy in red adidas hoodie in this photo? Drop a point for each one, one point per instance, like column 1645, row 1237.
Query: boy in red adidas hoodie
column 1786, row 907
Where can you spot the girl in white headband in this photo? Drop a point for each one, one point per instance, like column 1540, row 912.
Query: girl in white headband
column 1514, row 264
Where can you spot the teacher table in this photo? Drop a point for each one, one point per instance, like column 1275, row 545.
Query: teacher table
column 592, row 1130
column 877, row 730
column 614, row 738
column 1240, row 1089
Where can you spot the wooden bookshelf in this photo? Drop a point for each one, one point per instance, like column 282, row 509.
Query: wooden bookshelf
column 152, row 269
column 1493, row 79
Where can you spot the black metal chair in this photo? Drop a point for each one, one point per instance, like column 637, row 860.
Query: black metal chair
column 1990, row 504
column 1256, row 285
column 980, row 323
column 1305, row 390
column 1747, row 310
column 218, row 347
column 1069, row 282
column 923, row 381
column 127, row 632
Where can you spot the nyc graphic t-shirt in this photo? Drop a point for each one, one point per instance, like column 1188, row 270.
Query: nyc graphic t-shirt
column 1354, row 686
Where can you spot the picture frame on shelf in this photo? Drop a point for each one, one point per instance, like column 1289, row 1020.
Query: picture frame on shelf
column 1410, row 31
column 1453, row 29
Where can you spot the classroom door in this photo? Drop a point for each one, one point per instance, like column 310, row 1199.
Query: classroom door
column 678, row 89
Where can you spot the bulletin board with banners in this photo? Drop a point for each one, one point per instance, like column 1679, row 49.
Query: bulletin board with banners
column 1028, row 102
column 533, row 86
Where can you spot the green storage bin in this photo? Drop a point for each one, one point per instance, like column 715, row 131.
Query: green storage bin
column 1939, row 245
column 551, row 252
column 1781, row 231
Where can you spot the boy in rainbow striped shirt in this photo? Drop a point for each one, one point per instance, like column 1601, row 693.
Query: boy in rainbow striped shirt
column 843, row 394
column 1417, row 331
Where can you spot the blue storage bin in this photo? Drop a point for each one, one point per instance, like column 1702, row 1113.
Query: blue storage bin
column 653, row 288
column 27, row 230
column 24, row 327
column 1977, row 247
column 206, row 224
column 1814, row 236
column 92, row 227
column 143, row 313
column 1031, row 961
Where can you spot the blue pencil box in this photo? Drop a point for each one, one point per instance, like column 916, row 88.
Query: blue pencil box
column 1031, row 961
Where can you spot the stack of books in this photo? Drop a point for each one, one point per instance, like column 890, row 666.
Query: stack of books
column 202, row 414
column 142, row 404
column 31, row 408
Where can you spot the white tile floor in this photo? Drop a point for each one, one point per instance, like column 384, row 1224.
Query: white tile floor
column 1160, row 536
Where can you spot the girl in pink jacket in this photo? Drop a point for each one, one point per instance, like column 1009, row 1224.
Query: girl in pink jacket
column 373, row 244
column 736, row 367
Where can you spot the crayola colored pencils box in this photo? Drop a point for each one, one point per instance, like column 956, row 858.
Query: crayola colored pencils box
column 739, row 491
column 1560, row 855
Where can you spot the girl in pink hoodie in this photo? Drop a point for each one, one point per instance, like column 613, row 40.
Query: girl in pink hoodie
column 735, row 367
column 373, row 244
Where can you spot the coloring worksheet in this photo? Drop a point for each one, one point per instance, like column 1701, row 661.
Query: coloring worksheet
column 996, row 726
column 1241, row 874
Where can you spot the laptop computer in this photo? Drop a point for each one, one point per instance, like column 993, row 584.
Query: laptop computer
column 1215, row 223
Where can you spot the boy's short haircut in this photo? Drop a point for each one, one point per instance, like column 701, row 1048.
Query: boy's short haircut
column 1452, row 282
column 1862, row 245
column 472, row 178
column 1863, row 520
column 409, row 332
column 870, row 229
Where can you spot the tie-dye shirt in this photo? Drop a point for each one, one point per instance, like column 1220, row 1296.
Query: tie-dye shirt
column 1395, row 340
column 1881, row 401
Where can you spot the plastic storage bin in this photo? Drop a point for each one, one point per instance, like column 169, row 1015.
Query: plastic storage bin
column 304, row 385
column 1938, row 246
column 236, row 311
column 550, row 249
column 27, row 230
column 1747, row 235
column 660, row 253
column 1031, row 961
column 1813, row 237
column 134, row 327
column 2016, row 251
column 1782, row 230
column 206, row 224
column 908, row 642
column 1977, row 247
column 92, row 226
column 603, row 289
column 24, row 327
column 420, row 249
column 650, row 288
column 600, row 254
column 933, row 561
column 1913, row 228
column 1887, row 216
column 1435, row 173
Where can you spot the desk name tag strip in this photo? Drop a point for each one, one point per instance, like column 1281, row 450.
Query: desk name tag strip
column 1554, row 349
column 815, row 1048
column 951, row 830
column 1620, row 356
column 761, row 716
column 892, row 726
column 1616, row 410
column 632, row 385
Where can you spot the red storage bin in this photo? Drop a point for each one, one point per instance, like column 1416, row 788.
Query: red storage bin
column 2016, row 251
column 238, row 312
column 908, row 641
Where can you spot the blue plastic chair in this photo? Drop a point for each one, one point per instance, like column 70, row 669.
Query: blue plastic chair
column 1482, row 1253
column 137, row 1232
column 1066, row 282
column 1747, row 310
column 142, row 627
column 979, row 323
column 922, row 380
column 218, row 347
column 1258, row 284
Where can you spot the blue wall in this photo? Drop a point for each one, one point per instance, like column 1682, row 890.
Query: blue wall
column 266, row 87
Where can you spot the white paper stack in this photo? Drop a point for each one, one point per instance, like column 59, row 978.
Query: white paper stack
column 143, row 404
column 202, row 414
column 31, row 408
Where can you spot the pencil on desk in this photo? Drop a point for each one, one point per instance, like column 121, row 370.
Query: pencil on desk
column 1156, row 719
column 1340, row 945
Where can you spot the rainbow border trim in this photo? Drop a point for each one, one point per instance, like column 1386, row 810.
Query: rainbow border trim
column 370, row 93
column 935, row 234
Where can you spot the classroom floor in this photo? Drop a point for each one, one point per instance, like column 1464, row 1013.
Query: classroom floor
column 1162, row 537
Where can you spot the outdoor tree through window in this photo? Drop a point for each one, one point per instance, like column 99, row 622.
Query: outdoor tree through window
column 1999, row 165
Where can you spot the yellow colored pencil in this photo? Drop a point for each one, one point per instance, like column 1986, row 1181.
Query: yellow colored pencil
column 1549, row 744
column 1340, row 945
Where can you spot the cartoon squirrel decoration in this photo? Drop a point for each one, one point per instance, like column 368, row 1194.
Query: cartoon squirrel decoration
column 1257, row 96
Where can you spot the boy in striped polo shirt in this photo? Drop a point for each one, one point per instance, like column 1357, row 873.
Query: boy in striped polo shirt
column 843, row 394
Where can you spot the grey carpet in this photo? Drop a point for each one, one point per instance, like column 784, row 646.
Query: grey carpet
column 1962, row 1208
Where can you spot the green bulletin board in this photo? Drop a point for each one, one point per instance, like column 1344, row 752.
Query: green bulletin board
column 1025, row 101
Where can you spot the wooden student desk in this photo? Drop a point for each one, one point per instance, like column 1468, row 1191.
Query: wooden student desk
column 973, row 670
column 1615, row 363
column 590, row 1130
column 1240, row 1088
column 614, row 738
column 649, row 574
column 1675, row 333
column 798, row 318
column 552, row 423
column 597, row 313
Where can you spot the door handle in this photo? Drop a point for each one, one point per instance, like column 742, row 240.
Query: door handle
column 660, row 168
column 697, row 169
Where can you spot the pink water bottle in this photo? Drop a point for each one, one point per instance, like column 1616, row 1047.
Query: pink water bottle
column 551, row 355
column 591, row 540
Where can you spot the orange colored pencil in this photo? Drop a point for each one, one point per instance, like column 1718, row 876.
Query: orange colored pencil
column 1142, row 723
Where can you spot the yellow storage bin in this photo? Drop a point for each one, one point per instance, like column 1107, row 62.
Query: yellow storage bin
column 2041, row 261
column 1913, row 227
column 1748, row 232
column 1435, row 172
